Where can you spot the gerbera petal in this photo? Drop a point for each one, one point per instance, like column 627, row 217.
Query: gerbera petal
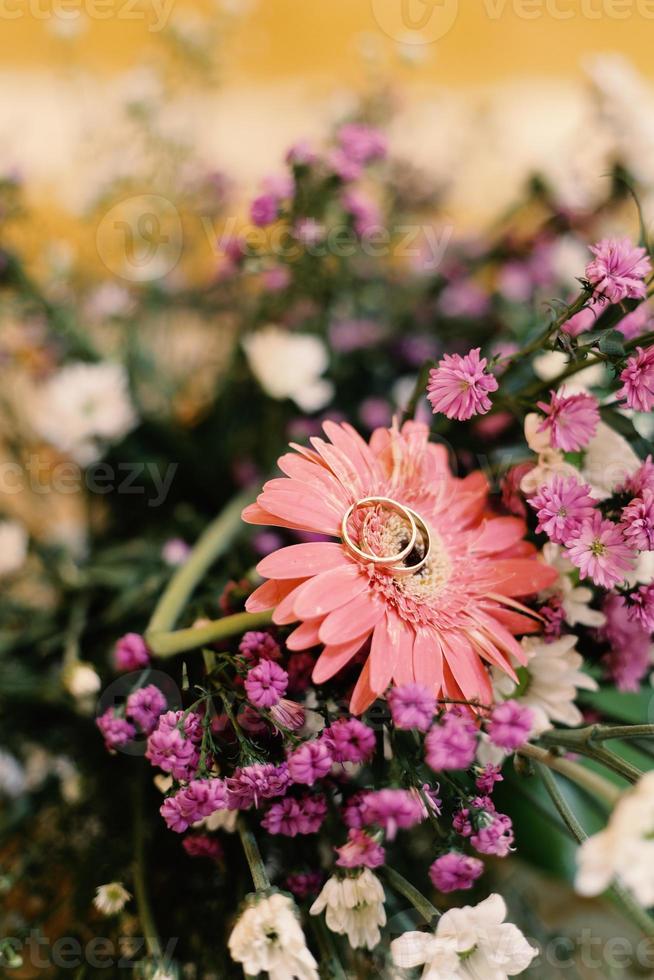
column 363, row 694
column 466, row 668
column 269, row 594
column 285, row 611
column 384, row 651
column 334, row 657
column 303, row 560
column 521, row 576
column 486, row 649
column 516, row 623
column 304, row 636
column 329, row 590
column 428, row 660
column 499, row 534
column 300, row 506
column 255, row 514
column 353, row 619
column 403, row 672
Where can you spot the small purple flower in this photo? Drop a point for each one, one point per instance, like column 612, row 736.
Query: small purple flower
column 571, row 420
column 362, row 143
column 600, row 552
column 116, row 731
column 131, row 652
column 562, row 506
column 264, row 210
column 393, row 809
column 496, row 837
column 459, row 387
column 173, row 745
column 485, row 781
column 349, row 740
column 309, row 762
column 452, row 743
column 144, row 707
column 461, row 822
column 638, row 522
column 304, row 884
column 266, row 683
column 455, row 872
column 638, row 380
column 640, row 606
column 360, row 851
column 201, row 845
column 290, row 817
column 249, row 785
column 619, row 269
column 256, row 645
column 412, row 706
column 199, row 799
column 510, row 725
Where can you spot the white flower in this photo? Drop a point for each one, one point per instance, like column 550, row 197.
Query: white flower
column 268, row 937
column 470, row 943
column 625, row 848
column 575, row 599
column 550, row 461
column 111, row 898
column 289, row 365
column 354, row 907
column 13, row 781
column 551, row 364
column 608, row 462
column 13, row 547
column 552, row 677
column 82, row 407
column 81, row 679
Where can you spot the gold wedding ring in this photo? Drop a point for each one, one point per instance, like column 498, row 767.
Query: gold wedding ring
column 390, row 562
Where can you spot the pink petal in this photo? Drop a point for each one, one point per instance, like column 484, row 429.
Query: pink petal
column 329, row 590
column 268, row 595
column 522, row 576
column 333, row 658
column 403, row 673
column 303, row 560
column 516, row 623
column 499, row 534
column 285, row 611
column 428, row 660
column 483, row 643
column 466, row 667
column 255, row 514
column 304, row 636
column 354, row 619
column 384, row 651
column 362, row 695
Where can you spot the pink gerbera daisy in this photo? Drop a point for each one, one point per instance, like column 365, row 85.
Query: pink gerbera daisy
column 459, row 386
column 571, row 420
column 436, row 626
column 618, row 269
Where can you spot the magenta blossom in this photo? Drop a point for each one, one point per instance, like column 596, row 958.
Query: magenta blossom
column 304, row 884
column 510, row 725
column 452, row 743
column 638, row 380
column 641, row 480
column 349, row 740
column 562, row 505
column 201, row 845
column 640, row 606
column 131, row 652
column 619, row 269
column 144, row 707
column 256, row 645
column 392, row 809
column 290, row 817
column 309, row 762
column 265, row 684
column 455, row 872
column 638, row 522
column 362, row 143
column 600, row 553
column 412, row 706
column 361, row 851
column 249, row 785
column 571, row 420
column 264, row 209
column 459, row 386
column 199, row 799
column 116, row 731
column 495, row 837
column 486, row 780
column 628, row 658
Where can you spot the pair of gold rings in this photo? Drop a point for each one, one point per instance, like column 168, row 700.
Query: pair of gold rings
column 392, row 563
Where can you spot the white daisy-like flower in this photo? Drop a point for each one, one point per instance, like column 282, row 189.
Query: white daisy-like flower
column 290, row 365
column 575, row 599
column 84, row 407
column 609, row 460
column 13, row 547
column 624, row 849
column 111, row 898
column 470, row 943
column 549, row 682
column 354, row 906
column 268, row 937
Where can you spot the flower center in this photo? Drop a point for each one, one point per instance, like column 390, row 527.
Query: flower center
column 389, row 535
column 597, row 548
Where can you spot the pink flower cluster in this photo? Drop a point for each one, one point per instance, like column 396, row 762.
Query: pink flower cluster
column 452, row 743
column 144, row 706
column 174, row 744
column 131, row 653
column 292, row 816
column 115, row 730
column 193, row 802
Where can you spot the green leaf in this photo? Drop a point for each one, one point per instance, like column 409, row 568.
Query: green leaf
column 612, row 344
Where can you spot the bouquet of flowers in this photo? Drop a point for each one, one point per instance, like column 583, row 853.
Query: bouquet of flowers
column 415, row 640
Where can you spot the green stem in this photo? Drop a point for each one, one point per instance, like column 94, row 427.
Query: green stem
column 616, row 892
column 602, row 733
column 411, row 893
column 165, row 644
column 215, row 540
column 586, row 747
column 538, row 342
column 254, row 859
column 418, row 390
column 140, row 887
column 328, row 951
column 591, row 781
